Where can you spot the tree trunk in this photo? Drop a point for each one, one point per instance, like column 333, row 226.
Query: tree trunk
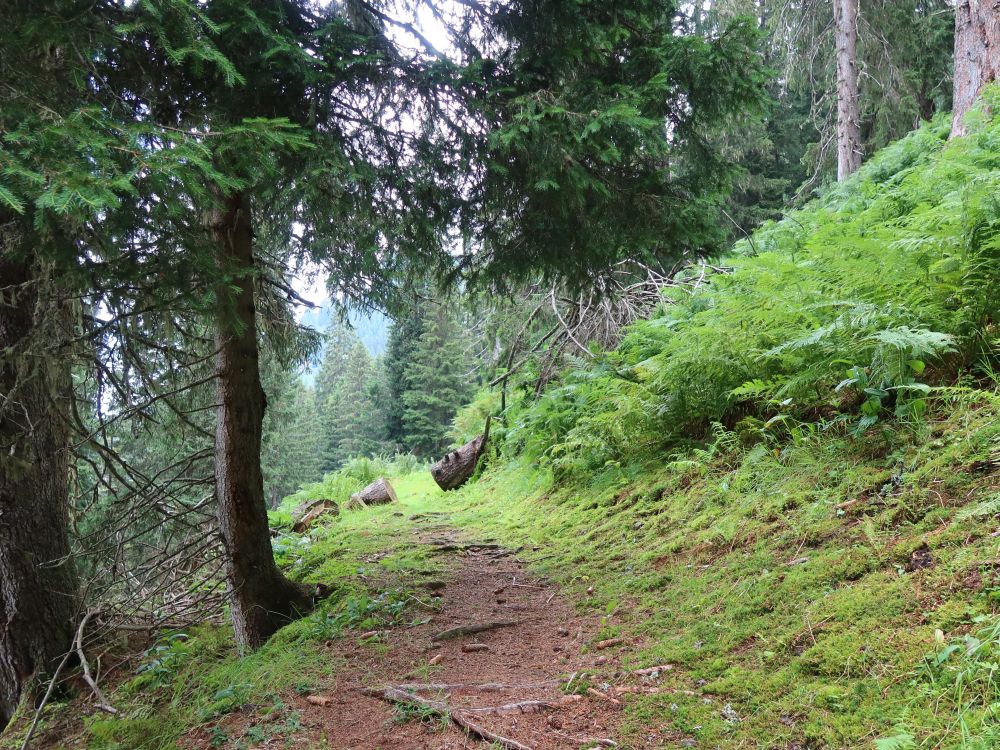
column 977, row 55
column 457, row 466
column 845, row 13
column 378, row 492
column 38, row 586
column 261, row 598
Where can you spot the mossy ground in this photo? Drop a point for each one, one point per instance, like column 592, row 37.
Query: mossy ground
column 788, row 583
column 799, row 589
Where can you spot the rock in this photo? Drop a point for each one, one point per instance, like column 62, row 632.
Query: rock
column 563, row 632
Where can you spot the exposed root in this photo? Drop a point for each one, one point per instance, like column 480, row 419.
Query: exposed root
column 458, row 716
column 473, row 687
column 471, row 629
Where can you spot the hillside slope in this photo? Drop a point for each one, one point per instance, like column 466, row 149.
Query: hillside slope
column 785, row 485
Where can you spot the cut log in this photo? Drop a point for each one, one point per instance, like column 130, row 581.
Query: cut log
column 307, row 514
column 379, row 492
column 455, row 468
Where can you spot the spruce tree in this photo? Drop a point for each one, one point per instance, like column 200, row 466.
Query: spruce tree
column 291, row 447
column 437, row 384
column 404, row 337
column 348, row 410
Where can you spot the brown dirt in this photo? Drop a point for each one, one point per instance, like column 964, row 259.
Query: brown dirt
column 548, row 643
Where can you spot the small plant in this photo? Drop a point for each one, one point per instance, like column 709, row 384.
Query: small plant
column 163, row 658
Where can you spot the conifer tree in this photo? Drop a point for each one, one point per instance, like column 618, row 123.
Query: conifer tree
column 291, row 447
column 437, row 384
column 404, row 337
column 348, row 411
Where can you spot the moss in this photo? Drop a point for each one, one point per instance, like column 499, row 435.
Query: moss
column 749, row 577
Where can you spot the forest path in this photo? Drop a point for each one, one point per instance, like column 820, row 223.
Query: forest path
column 532, row 659
column 482, row 583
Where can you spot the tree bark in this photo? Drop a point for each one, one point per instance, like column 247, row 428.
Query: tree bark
column 977, row 55
column 845, row 14
column 312, row 512
column 38, row 585
column 455, row 468
column 261, row 598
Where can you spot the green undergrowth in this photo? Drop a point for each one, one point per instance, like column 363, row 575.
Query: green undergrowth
column 195, row 679
column 851, row 309
column 812, row 589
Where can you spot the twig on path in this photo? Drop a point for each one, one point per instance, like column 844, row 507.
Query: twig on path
column 471, row 629
column 602, row 741
column 394, row 695
column 517, row 585
column 472, row 687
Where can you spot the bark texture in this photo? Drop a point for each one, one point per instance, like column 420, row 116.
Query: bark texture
column 455, row 468
column 977, row 55
column 38, row 584
column 378, row 492
column 261, row 598
column 307, row 516
column 845, row 13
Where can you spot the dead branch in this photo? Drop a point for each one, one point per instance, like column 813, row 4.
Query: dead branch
column 394, row 695
column 102, row 701
column 472, row 629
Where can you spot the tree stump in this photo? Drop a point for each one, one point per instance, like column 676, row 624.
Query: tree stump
column 378, row 492
column 307, row 514
column 457, row 466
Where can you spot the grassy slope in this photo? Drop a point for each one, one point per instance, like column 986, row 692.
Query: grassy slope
column 740, row 569
column 774, row 566
column 194, row 679
column 744, row 572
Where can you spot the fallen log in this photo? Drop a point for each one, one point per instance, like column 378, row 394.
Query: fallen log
column 379, row 492
column 455, row 468
column 306, row 515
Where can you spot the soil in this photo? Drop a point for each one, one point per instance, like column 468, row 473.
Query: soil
column 534, row 659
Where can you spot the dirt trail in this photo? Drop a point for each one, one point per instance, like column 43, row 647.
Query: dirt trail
column 534, row 658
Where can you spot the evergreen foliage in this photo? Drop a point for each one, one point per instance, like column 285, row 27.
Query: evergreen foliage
column 437, row 383
column 404, row 336
column 848, row 310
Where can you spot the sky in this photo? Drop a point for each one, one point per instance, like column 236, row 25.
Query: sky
column 308, row 283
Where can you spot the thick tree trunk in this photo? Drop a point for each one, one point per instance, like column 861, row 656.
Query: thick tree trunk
column 455, row 468
column 261, row 598
column 38, row 586
column 378, row 492
column 845, row 13
column 977, row 55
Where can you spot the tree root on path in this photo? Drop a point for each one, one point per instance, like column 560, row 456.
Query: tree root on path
column 474, row 687
column 471, row 629
column 395, row 695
